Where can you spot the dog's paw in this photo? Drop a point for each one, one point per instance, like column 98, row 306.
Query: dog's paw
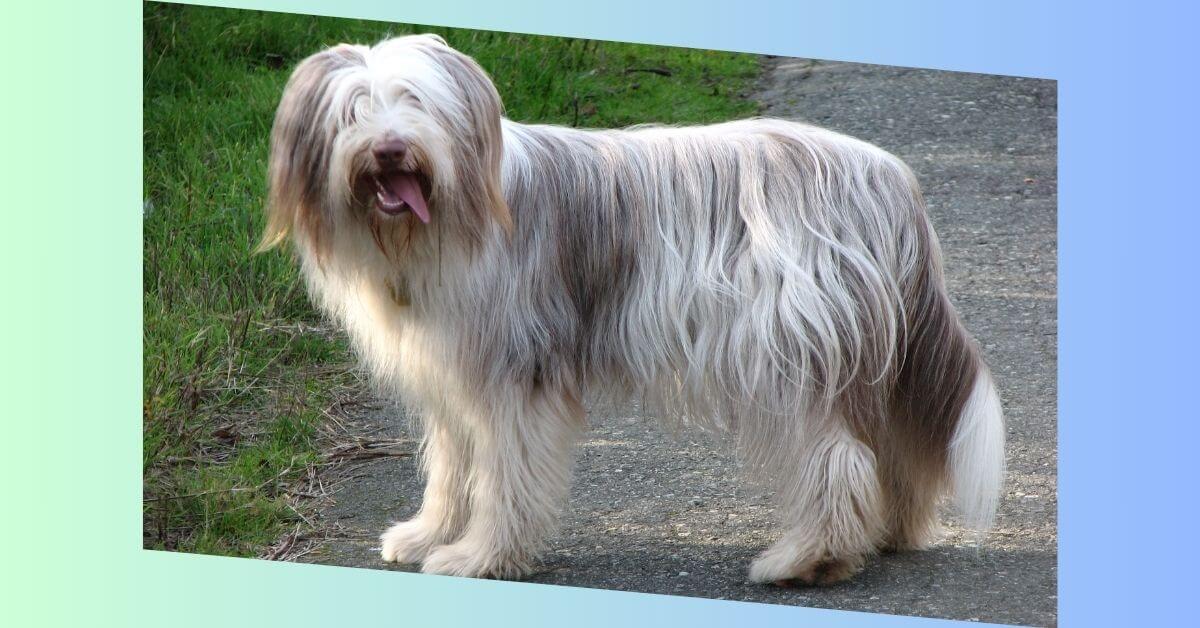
column 822, row 573
column 469, row 560
column 409, row 541
column 898, row 543
column 913, row 538
column 783, row 566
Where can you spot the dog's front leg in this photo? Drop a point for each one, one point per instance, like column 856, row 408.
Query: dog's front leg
column 445, row 460
column 519, row 478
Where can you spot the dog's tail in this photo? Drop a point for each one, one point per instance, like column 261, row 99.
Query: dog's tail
column 946, row 406
column 949, row 411
column 976, row 464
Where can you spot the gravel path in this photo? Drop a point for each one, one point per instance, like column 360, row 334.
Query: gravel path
column 662, row 513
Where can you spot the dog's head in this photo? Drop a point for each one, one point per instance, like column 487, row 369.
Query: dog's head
column 389, row 138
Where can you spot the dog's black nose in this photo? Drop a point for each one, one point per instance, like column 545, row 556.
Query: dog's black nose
column 390, row 152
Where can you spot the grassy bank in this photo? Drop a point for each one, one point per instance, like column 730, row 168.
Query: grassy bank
column 242, row 378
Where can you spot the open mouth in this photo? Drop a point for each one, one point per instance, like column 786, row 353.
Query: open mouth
column 398, row 191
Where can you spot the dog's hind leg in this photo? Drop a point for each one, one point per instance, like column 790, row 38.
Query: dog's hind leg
column 445, row 458
column 830, row 500
column 519, row 478
column 911, row 487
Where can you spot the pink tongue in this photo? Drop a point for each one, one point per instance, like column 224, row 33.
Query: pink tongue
column 406, row 186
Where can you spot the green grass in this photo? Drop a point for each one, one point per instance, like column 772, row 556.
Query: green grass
column 239, row 371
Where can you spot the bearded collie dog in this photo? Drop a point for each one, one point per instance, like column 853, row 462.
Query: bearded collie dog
column 763, row 279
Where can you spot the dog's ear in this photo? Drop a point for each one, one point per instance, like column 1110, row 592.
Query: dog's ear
column 301, row 138
column 485, row 148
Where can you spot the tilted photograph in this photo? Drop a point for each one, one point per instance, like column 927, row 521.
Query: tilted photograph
column 599, row 314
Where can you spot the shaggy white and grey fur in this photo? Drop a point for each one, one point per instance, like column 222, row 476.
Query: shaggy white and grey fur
column 770, row 280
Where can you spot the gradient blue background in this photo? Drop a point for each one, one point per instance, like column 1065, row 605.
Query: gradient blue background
column 70, row 257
